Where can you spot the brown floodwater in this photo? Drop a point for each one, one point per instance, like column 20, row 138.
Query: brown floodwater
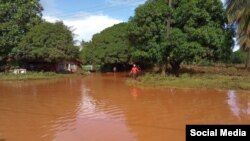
column 103, row 108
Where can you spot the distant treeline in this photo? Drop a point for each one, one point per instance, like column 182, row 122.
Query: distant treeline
column 162, row 33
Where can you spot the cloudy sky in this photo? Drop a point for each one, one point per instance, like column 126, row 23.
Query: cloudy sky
column 87, row 17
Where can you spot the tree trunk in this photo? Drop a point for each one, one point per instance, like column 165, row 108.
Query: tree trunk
column 175, row 68
column 163, row 69
column 248, row 59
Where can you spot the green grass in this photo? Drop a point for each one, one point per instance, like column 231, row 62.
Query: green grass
column 215, row 81
column 30, row 76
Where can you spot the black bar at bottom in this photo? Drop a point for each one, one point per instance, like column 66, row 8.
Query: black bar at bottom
column 217, row 132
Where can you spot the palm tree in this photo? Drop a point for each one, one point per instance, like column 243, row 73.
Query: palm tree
column 238, row 11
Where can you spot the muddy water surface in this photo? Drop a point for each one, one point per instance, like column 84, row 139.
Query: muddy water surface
column 104, row 108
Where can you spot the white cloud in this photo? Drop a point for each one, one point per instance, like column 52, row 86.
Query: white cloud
column 51, row 19
column 85, row 28
column 85, row 25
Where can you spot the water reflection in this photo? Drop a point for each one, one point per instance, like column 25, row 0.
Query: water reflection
column 239, row 104
column 96, row 118
column 88, row 107
column 134, row 92
column 37, row 110
column 103, row 107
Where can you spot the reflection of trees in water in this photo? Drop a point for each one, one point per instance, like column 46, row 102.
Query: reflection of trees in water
column 155, row 114
column 91, row 104
column 239, row 104
column 88, row 107
column 98, row 94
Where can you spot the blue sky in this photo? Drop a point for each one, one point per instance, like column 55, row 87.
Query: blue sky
column 87, row 17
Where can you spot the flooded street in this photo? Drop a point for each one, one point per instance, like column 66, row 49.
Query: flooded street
column 103, row 108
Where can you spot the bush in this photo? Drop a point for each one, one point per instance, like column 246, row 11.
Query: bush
column 239, row 57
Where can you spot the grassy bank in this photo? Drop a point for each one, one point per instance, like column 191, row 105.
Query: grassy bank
column 30, row 76
column 216, row 77
column 197, row 81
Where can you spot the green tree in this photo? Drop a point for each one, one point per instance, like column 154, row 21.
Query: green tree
column 238, row 57
column 110, row 47
column 89, row 54
column 238, row 11
column 17, row 17
column 83, row 43
column 148, row 32
column 204, row 22
column 47, row 42
column 181, row 49
column 198, row 31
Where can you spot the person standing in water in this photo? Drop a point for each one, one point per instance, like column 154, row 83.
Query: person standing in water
column 134, row 71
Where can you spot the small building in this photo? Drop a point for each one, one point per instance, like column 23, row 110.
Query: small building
column 60, row 66
column 91, row 68
column 40, row 66
column 68, row 66
column 19, row 71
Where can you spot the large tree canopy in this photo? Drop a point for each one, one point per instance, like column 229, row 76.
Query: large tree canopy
column 204, row 22
column 47, row 42
column 198, row 30
column 147, row 31
column 17, row 17
column 111, row 46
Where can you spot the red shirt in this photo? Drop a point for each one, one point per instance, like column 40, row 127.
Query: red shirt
column 134, row 70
